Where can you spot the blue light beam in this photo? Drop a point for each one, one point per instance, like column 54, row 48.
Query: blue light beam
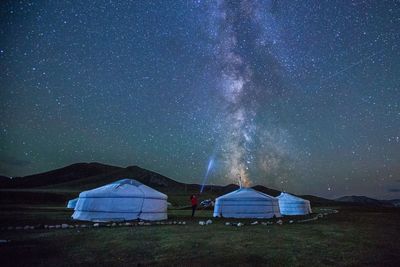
column 210, row 165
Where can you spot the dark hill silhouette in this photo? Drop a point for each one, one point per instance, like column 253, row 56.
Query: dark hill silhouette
column 70, row 180
column 68, row 173
column 319, row 201
column 266, row 190
column 4, row 179
column 229, row 188
column 365, row 201
column 149, row 178
column 82, row 176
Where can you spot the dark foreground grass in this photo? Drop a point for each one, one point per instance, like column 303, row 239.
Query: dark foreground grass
column 352, row 237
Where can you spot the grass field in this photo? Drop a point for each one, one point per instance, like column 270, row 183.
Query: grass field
column 353, row 237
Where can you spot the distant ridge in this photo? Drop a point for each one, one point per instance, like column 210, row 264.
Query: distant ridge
column 318, row 200
column 4, row 179
column 366, row 201
column 83, row 176
column 266, row 190
column 69, row 173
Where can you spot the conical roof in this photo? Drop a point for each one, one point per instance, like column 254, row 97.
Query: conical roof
column 245, row 193
column 124, row 188
column 291, row 198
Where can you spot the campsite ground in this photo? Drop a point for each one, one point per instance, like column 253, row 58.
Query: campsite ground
column 355, row 236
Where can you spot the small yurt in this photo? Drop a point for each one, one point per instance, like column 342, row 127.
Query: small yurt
column 292, row 205
column 72, row 203
column 246, row 203
column 123, row 200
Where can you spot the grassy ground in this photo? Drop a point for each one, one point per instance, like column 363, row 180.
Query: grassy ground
column 352, row 237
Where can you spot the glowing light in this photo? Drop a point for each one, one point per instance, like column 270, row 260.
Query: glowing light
column 209, row 166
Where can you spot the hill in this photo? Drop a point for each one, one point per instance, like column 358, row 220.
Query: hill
column 152, row 179
column 62, row 184
column 4, row 180
column 266, row 190
column 319, row 201
column 82, row 176
column 366, row 201
column 66, row 174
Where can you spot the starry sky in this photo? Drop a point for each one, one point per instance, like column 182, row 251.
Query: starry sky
column 302, row 96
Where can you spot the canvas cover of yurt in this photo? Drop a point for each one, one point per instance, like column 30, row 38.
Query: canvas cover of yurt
column 292, row 205
column 72, row 203
column 123, row 200
column 246, row 203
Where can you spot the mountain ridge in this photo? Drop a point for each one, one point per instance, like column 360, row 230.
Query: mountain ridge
column 84, row 176
column 367, row 201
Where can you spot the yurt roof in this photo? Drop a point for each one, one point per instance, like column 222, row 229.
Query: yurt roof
column 246, row 193
column 288, row 197
column 124, row 188
column 127, row 181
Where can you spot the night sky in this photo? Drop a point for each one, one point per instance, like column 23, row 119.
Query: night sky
column 302, row 96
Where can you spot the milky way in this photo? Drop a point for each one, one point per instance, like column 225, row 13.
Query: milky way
column 238, row 28
column 300, row 96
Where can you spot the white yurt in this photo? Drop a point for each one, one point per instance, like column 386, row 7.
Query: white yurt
column 72, row 203
column 246, row 203
column 292, row 205
column 123, row 200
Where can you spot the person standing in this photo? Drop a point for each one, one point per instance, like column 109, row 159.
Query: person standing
column 193, row 201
